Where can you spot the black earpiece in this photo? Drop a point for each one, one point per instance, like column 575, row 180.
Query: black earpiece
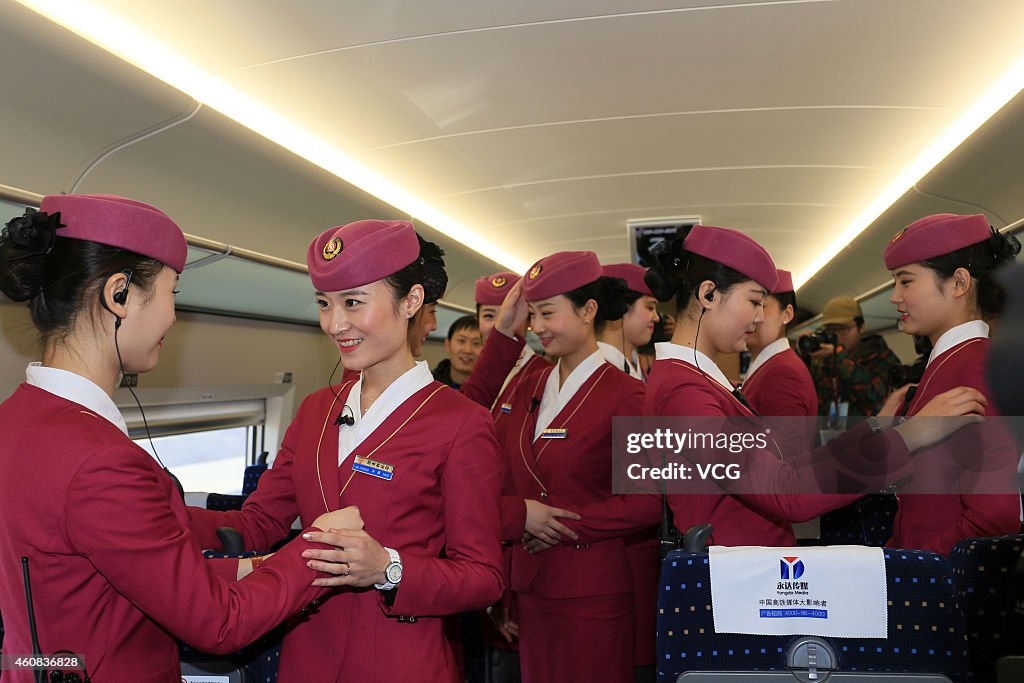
column 119, row 297
column 122, row 296
column 710, row 295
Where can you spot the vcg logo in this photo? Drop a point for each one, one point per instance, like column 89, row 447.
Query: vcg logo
column 791, row 568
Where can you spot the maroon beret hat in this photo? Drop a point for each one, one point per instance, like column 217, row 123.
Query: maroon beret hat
column 734, row 249
column 491, row 289
column 785, row 283
column 560, row 273
column 119, row 222
column 632, row 274
column 933, row 236
column 360, row 253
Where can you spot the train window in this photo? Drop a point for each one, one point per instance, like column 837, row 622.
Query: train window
column 212, row 460
column 208, row 435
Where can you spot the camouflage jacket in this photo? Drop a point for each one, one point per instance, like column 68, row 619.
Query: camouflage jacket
column 862, row 376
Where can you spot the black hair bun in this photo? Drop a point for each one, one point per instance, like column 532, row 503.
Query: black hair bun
column 666, row 277
column 24, row 243
column 435, row 277
column 613, row 292
column 1004, row 247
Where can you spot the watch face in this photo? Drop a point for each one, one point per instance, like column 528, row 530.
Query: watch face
column 394, row 573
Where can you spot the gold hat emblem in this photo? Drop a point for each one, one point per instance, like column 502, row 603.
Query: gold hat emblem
column 535, row 271
column 333, row 248
column 897, row 235
column 498, row 282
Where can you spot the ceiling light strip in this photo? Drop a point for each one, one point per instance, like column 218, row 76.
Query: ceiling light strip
column 983, row 108
column 98, row 25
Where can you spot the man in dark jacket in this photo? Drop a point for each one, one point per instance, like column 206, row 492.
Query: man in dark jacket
column 856, row 371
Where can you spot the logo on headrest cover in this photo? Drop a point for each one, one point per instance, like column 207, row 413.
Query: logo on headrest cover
column 498, row 282
column 535, row 271
column 791, row 568
column 333, row 248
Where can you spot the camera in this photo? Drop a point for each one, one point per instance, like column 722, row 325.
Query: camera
column 812, row 342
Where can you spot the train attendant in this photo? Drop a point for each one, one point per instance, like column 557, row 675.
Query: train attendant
column 419, row 459
column 117, row 575
column 491, row 292
column 620, row 339
column 720, row 278
column 943, row 267
column 575, row 602
column 778, row 383
column 435, row 281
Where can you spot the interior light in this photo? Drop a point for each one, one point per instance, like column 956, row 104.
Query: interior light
column 1001, row 92
column 99, row 25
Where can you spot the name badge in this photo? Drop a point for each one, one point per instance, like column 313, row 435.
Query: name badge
column 506, row 408
column 552, row 433
column 374, row 468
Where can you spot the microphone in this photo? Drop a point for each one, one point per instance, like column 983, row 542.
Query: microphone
column 534, row 404
column 344, row 420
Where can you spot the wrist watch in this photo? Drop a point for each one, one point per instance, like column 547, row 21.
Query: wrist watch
column 392, row 573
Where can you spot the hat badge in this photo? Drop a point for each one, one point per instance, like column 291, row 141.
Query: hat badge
column 498, row 282
column 897, row 235
column 535, row 271
column 333, row 248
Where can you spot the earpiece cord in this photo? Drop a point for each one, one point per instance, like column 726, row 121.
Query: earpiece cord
column 330, row 378
column 145, row 422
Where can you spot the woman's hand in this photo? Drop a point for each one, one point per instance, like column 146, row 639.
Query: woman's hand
column 542, row 522
column 955, row 403
column 358, row 561
column 894, row 400
column 534, row 545
column 508, row 629
column 513, row 312
column 947, row 413
column 345, row 518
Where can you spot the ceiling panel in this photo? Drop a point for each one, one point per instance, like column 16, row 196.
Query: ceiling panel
column 541, row 125
column 760, row 56
column 985, row 172
column 65, row 100
column 256, row 33
column 790, row 136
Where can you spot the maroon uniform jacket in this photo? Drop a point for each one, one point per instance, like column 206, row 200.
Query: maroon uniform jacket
column 534, row 364
column 567, row 472
column 783, row 387
column 116, row 574
column 676, row 388
column 936, row 522
column 571, row 472
column 440, row 511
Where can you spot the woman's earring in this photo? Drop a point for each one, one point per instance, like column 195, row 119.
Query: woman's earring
column 586, row 322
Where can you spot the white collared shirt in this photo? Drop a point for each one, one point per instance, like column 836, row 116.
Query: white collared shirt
column 614, row 356
column 397, row 393
column 972, row 329
column 773, row 349
column 524, row 358
column 687, row 354
column 76, row 389
column 555, row 398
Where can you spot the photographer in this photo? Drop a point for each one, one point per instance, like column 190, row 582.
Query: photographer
column 848, row 368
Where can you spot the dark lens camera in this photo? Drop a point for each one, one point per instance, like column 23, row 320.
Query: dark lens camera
column 812, row 342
